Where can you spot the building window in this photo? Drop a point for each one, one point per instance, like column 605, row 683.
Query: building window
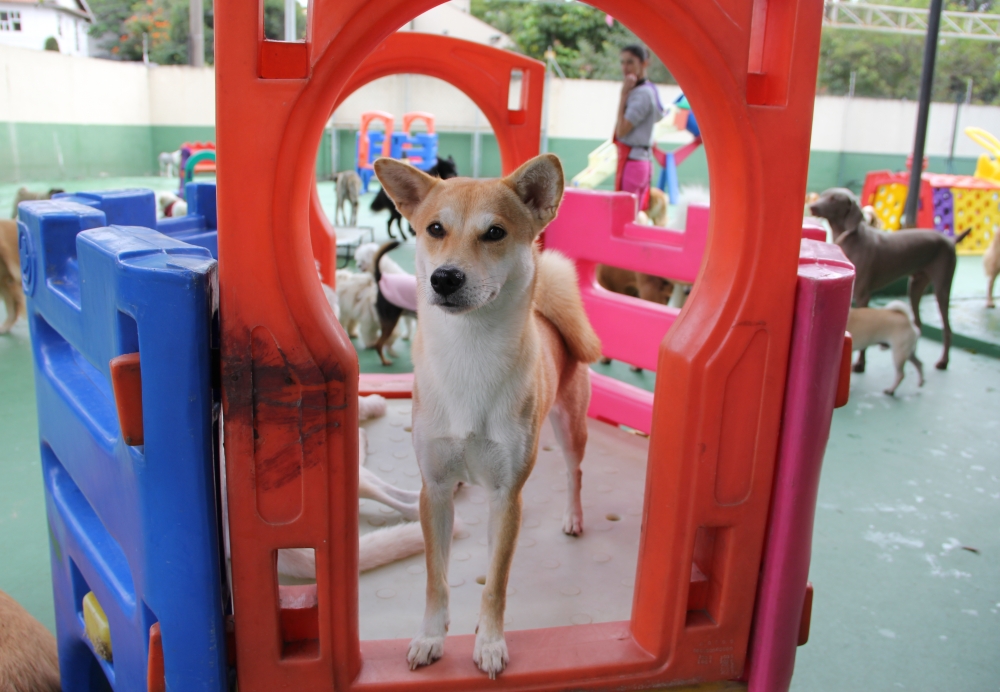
column 10, row 20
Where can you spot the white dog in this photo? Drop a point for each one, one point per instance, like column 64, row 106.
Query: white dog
column 170, row 163
column 892, row 326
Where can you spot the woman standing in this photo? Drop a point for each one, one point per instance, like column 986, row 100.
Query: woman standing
column 638, row 112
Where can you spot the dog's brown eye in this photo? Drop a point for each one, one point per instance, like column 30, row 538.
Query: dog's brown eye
column 435, row 230
column 494, row 234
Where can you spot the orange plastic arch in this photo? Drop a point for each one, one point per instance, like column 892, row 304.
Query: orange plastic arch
column 364, row 146
column 427, row 118
column 291, row 375
column 482, row 72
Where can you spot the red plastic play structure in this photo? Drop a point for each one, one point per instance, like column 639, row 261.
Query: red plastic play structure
column 481, row 72
column 290, row 375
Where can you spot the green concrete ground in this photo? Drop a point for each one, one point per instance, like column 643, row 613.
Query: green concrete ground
column 906, row 554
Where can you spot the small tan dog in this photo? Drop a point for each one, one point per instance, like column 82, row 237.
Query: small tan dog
column 26, row 195
column 29, row 659
column 991, row 265
column 10, row 275
column 502, row 342
column 890, row 326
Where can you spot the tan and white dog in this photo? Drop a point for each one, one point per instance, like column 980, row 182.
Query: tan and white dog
column 892, row 326
column 502, row 342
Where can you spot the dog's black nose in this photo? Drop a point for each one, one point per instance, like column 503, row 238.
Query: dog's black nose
column 447, row 280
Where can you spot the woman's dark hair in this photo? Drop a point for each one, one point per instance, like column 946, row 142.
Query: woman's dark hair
column 637, row 50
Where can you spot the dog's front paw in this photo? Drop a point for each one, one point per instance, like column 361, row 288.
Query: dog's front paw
column 490, row 655
column 573, row 523
column 941, row 365
column 858, row 367
column 424, row 650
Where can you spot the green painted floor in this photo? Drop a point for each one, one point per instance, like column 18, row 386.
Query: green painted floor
column 906, row 555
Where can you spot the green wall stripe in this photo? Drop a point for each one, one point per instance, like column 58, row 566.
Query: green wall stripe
column 41, row 151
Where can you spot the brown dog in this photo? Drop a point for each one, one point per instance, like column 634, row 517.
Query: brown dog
column 10, row 275
column 879, row 258
column 29, row 659
column 26, row 195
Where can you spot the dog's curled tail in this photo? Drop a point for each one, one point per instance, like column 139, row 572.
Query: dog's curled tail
column 557, row 297
column 377, row 259
column 902, row 307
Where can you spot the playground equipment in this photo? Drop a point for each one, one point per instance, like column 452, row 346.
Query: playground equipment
column 948, row 203
column 758, row 350
column 196, row 157
column 419, row 148
column 602, row 162
column 372, row 144
column 481, row 72
column 988, row 164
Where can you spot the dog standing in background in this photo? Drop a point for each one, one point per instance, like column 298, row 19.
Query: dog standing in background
column 170, row 163
column 348, row 190
column 26, row 195
column 443, row 169
column 879, row 258
column 889, row 325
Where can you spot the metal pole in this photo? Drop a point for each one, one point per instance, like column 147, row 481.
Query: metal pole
column 477, row 147
column 196, row 18
column 290, row 33
column 923, row 111
column 954, row 133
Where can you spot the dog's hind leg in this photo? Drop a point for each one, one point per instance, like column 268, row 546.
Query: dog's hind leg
column 989, row 291
column 12, row 309
column 569, row 422
column 943, row 294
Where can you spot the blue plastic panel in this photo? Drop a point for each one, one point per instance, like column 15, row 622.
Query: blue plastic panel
column 136, row 525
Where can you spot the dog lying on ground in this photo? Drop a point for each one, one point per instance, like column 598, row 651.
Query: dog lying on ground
column 890, row 326
column 364, row 258
column 10, row 275
column 348, row 190
column 29, row 658
column 171, row 206
column 26, row 195
column 502, row 342
column 991, row 265
column 879, row 258
column 444, row 169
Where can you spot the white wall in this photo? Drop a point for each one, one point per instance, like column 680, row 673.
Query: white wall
column 40, row 86
column 47, row 87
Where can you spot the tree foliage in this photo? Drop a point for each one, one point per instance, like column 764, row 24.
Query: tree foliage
column 885, row 65
column 121, row 24
column 586, row 46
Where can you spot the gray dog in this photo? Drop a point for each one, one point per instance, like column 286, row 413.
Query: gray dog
column 348, row 189
column 879, row 258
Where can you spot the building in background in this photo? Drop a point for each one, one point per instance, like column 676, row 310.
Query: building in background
column 62, row 24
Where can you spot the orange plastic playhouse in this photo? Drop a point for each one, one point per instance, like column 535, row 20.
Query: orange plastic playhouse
column 290, row 374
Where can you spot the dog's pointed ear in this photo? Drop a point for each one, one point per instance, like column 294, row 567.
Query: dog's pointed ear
column 406, row 186
column 539, row 185
column 855, row 215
